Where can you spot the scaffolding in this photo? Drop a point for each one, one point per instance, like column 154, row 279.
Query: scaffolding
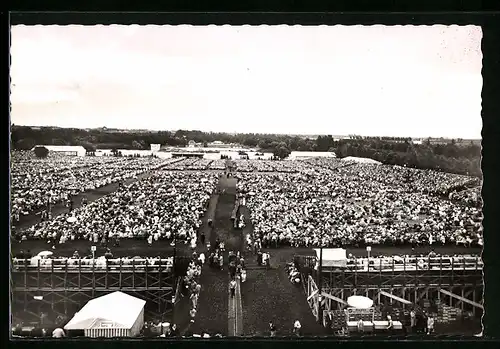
column 62, row 287
column 454, row 280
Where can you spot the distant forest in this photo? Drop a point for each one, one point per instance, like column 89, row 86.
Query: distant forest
column 454, row 156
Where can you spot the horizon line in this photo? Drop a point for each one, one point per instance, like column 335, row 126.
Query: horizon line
column 242, row 133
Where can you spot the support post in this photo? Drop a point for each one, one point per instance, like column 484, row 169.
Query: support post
column 320, row 280
column 120, row 275
column 93, row 278
column 133, row 273
column 79, row 273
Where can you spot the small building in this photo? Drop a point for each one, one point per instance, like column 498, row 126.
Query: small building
column 116, row 314
column 191, row 144
column 296, row 155
column 219, row 144
column 67, row 150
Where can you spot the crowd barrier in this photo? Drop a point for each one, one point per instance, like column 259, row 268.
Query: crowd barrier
column 90, row 264
column 401, row 263
column 416, row 263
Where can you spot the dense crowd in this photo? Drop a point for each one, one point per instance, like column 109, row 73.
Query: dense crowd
column 266, row 166
column 153, row 208
column 39, row 183
column 359, row 204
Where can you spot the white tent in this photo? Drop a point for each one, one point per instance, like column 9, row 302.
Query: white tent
column 332, row 257
column 116, row 314
column 75, row 150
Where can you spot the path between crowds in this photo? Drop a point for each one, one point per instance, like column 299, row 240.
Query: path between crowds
column 213, row 308
column 91, row 195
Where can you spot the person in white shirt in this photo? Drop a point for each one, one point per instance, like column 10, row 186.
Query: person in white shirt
column 390, row 324
column 192, row 313
column 413, row 320
column 232, row 287
column 296, row 327
column 360, row 326
column 202, row 258
column 430, row 325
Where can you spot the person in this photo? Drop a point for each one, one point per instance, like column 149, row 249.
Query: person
column 243, row 275
column 108, row 254
column 192, row 314
column 430, row 325
column 360, row 326
column 221, row 262
column 58, row 333
column 173, row 330
column 232, row 269
column 116, row 241
column 194, row 299
column 259, row 258
column 84, row 200
column 202, row 258
column 232, row 287
column 267, row 260
column 202, row 238
column 296, row 327
column 390, row 324
column 413, row 320
column 272, row 329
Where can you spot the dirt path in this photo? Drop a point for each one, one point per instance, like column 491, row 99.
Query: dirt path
column 267, row 295
column 213, row 302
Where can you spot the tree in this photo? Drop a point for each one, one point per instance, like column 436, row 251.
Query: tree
column 281, row 152
column 41, row 152
column 137, row 145
column 25, row 144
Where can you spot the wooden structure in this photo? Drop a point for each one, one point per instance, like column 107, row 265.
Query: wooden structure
column 62, row 287
column 405, row 281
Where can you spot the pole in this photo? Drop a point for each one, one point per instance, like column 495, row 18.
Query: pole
column 320, row 271
column 175, row 255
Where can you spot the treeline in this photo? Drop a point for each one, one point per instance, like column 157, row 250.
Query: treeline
column 454, row 156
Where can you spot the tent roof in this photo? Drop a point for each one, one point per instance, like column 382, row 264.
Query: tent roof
column 61, row 147
column 361, row 160
column 119, row 308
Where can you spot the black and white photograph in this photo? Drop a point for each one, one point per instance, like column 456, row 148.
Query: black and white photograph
column 183, row 181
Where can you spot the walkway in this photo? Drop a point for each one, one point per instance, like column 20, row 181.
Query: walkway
column 235, row 313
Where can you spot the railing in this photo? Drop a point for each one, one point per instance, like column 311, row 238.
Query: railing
column 84, row 265
column 396, row 263
column 389, row 264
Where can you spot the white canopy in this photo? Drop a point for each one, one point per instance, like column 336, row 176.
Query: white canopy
column 118, row 309
column 45, row 254
column 332, row 257
column 359, row 302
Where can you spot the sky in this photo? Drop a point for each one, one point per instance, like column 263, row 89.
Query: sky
column 404, row 81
